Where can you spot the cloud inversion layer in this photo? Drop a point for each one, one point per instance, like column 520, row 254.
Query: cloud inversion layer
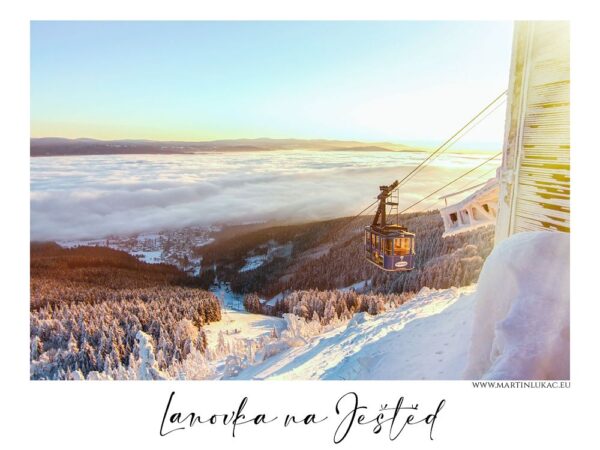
column 96, row 196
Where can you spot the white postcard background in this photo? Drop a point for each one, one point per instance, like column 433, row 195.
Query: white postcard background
column 125, row 414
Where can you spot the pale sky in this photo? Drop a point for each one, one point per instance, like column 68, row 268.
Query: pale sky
column 404, row 82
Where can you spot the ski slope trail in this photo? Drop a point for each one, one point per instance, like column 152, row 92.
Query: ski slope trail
column 426, row 338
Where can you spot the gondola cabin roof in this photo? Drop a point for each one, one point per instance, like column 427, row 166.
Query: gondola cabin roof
column 390, row 231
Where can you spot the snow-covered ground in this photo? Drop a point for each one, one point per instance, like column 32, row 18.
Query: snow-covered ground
column 522, row 319
column 241, row 325
column 236, row 332
column 273, row 250
column 151, row 257
column 426, row 338
column 357, row 287
column 228, row 299
column 253, row 262
column 514, row 324
column 273, row 300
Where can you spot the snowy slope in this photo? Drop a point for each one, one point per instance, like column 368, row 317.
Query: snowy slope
column 228, row 299
column 513, row 325
column 253, row 262
column 237, row 330
column 241, row 325
column 357, row 287
column 426, row 338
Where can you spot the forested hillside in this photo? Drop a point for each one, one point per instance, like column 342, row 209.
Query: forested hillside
column 328, row 255
column 98, row 266
column 88, row 305
column 327, row 307
column 102, row 313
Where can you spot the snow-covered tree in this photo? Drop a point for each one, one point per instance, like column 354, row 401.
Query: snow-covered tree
column 148, row 367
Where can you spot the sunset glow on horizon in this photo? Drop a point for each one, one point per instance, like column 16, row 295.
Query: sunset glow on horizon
column 401, row 82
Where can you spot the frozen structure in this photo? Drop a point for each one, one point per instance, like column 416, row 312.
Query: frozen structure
column 521, row 322
column 532, row 188
column 535, row 179
column 478, row 209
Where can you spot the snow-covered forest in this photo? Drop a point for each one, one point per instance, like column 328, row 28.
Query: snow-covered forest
column 328, row 255
column 88, row 305
column 75, row 335
column 99, row 313
column 327, row 306
column 161, row 332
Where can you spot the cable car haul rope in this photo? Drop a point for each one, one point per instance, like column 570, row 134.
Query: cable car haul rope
column 390, row 246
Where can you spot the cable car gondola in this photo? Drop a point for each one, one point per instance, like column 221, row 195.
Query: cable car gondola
column 389, row 246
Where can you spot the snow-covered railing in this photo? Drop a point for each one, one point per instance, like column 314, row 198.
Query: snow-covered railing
column 478, row 209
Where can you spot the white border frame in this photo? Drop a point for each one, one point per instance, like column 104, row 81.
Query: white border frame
column 117, row 414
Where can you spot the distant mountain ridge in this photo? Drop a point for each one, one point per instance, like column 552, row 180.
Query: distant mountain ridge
column 56, row 146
